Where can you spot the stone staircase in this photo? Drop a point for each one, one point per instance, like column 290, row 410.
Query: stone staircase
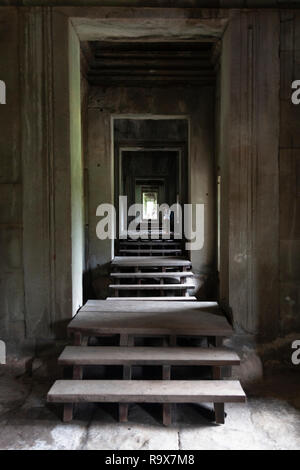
column 133, row 322
column 151, row 276
column 150, row 282
column 150, row 247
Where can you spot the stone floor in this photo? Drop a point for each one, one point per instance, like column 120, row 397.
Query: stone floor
column 270, row 420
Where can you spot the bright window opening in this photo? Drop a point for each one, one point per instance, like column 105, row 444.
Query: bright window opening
column 150, row 205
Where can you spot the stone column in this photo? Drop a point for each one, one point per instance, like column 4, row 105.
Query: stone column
column 249, row 171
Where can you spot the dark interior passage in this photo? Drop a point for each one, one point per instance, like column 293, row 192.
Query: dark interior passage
column 155, row 171
column 91, row 93
column 151, row 160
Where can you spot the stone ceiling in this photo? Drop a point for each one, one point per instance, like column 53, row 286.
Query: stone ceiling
column 149, row 63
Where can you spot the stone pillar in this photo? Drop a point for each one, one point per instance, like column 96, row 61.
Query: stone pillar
column 12, row 320
column 39, row 244
column 51, row 162
column 249, row 171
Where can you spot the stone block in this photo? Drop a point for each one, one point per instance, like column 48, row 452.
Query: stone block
column 289, row 179
column 286, row 74
column 12, row 305
column 11, row 248
column 289, row 307
column 290, row 260
column 287, row 33
column 289, row 125
column 10, row 203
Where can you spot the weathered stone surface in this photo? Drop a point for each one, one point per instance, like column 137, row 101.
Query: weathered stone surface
column 287, row 30
column 289, row 165
column 12, row 392
column 297, row 30
column 10, row 203
column 289, row 306
column 37, row 126
column 94, row 29
column 11, row 282
column 290, row 260
column 181, row 102
column 271, row 415
column 287, row 74
column 251, row 426
column 11, row 256
column 44, row 435
column 289, row 194
column 149, row 3
column 142, row 432
column 249, row 170
column 289, row 128
column 77, row 165
column 251, row 368
column 12, row 309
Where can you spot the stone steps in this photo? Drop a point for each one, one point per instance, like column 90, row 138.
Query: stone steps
column 138, row 287
column 150, row 251
column 146, row 275
column 95, row 305
column 150, row 262
column 150, row 247
column 149, row 242
column 159, row 265
column 131, row 319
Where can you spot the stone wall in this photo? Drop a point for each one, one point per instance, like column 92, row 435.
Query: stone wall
column 289, row 171
column 77, row 202
column 161, row 4
column 248, row 159
column 12, row 318
column 258, row 157
column 197, row 105
column 36, row 176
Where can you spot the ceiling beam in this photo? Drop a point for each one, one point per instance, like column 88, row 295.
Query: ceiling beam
column 116, row 54
column 145, row 64
column 144, row 82
column 151, row 76
column 150, row 63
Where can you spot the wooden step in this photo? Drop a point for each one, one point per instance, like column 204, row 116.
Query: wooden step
column 160, row 298
column 147, row 391
column 149, row 242
column 151, row 286
column 167, row 251
column 118, row 355
column 152, row 275
column 162, row 317
column 144, row 234
column 99, row 305
column 150, row 261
